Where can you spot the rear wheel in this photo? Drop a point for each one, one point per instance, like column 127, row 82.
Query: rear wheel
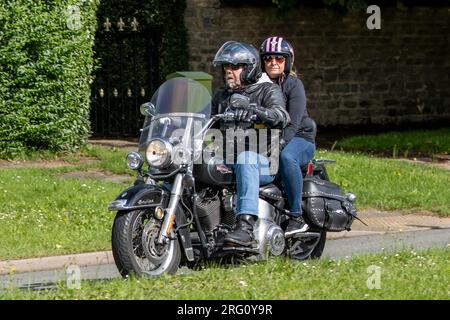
column 318, row 249
column 135, row 249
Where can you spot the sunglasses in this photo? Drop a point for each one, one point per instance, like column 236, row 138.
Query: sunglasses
column 233, row 67
column 278, row 59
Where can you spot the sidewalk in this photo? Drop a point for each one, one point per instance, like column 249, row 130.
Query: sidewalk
column 379, row 222
column 129, row 145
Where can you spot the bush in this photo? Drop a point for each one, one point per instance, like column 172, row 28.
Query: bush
column 45, row 74
column 46, row 62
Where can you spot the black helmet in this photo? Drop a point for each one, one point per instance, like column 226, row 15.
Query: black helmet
column 279, row 46
column 233, row 52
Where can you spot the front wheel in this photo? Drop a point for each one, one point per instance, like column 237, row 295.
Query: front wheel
column 135, row 249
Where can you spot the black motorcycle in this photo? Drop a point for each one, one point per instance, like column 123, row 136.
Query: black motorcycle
column 182, row 203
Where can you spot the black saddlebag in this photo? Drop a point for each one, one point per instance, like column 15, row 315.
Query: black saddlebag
column 325, row 207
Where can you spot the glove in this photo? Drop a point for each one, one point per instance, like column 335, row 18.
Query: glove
column 243, row 114
column 238, row 100
column 268, row 116
column 239, row 105
column 239, row 114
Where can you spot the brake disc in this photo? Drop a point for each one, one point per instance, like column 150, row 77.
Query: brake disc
column 154, row 252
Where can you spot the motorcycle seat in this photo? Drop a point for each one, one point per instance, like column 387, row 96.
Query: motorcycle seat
column 271, row 191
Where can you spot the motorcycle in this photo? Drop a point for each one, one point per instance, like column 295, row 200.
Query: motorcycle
column 182, row 203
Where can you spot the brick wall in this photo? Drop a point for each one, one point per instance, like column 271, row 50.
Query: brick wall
column 352, row 76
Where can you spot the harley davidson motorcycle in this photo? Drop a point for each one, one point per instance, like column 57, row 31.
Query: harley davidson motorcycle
column 182, row 203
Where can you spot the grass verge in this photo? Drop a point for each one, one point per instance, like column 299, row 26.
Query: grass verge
column 389, row 184
column 43, row 213
column 402, row 275
column 401, row 144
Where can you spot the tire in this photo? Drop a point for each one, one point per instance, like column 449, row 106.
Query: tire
column 318, row 249
column 129, row 253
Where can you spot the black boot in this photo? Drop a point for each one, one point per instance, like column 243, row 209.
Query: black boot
column 295, row 225
column 242, row 233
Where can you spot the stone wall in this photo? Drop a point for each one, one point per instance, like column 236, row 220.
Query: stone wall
column 353, row 76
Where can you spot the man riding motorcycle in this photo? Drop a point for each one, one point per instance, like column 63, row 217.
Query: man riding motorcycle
column 241, row 68
column 182, row 206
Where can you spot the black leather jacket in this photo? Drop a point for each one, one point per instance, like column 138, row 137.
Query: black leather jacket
column 264, row 94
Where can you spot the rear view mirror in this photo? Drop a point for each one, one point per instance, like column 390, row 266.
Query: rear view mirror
column 148, row 109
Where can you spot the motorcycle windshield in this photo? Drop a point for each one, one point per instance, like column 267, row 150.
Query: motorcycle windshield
column 182, row 95
column 182, row 108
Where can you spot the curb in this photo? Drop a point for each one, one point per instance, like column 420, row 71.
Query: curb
column 381, row 222
column 351, row 234
column 10, row 267
column 56, row 262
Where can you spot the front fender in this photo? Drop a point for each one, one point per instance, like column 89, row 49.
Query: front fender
column 139, row 197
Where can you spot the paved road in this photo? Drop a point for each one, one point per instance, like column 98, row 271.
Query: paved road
column 335, row 249
column 416, row 240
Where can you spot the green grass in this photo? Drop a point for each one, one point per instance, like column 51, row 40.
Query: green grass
column 42, row 213
column 111, row 158
column 403, row 275
column 108, row 158
column 390, row 184
column 401, row 144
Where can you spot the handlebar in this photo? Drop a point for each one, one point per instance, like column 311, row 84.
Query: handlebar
column 230, row 116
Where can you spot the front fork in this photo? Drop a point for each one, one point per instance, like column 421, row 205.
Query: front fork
column 169, row 217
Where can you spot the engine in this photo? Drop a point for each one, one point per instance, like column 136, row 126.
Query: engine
column 269, row 235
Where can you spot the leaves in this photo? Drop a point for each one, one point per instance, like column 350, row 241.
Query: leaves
column 46, row 61
column 45, row 70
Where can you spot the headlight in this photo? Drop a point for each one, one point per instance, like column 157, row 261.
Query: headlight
column 134, row 160
column 159, row 153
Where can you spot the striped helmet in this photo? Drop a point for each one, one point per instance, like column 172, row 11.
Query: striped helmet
column 280, row 46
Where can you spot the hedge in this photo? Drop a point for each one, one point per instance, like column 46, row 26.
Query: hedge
column 45, row 73
column 46, row 64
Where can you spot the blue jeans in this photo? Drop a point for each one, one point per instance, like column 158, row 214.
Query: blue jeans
column 297, row 153
column 252, row 171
